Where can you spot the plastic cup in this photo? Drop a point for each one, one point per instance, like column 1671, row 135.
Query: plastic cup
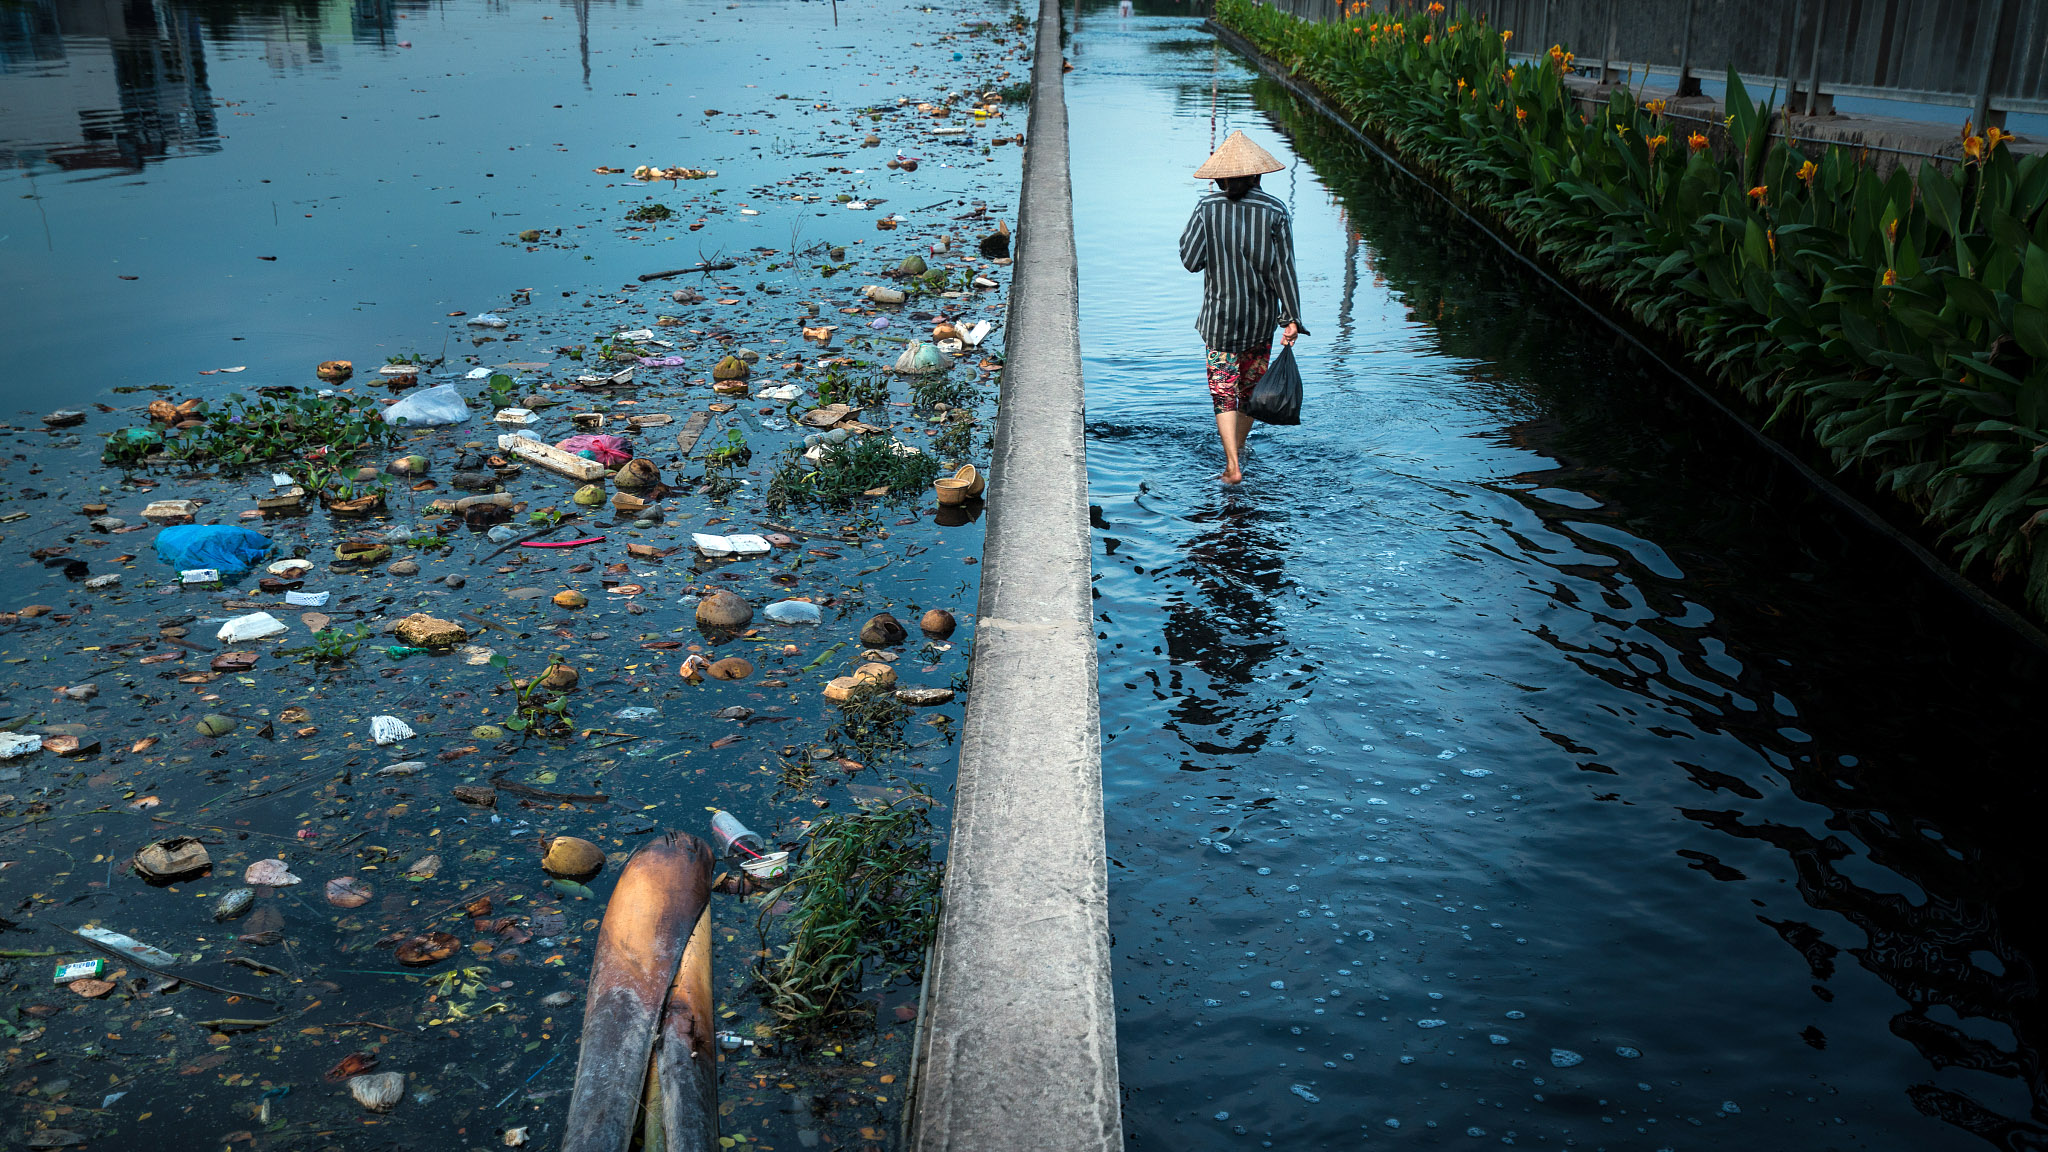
column 732, row 837
column 768, row 867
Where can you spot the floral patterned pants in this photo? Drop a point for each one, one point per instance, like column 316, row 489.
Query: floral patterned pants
column 1233, row 374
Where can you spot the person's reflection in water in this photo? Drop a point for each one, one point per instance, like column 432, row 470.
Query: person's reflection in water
column 1228, row 629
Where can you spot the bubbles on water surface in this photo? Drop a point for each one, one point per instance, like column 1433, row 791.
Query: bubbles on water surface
column 1565, row 1058
column 1496, row 1038
column 1475, row 1132
column 1223, row 1116
column 1476, row 773
column 1278, row 985
column 1627, row 1053
column 1302, row 1091
column 1430, row 1023
column 1516, row 1014
column 1729, row 1107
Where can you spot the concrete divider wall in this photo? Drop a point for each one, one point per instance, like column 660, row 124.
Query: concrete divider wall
column 1017, row 1039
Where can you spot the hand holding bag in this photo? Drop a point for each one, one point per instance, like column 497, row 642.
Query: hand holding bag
column 1276, row 398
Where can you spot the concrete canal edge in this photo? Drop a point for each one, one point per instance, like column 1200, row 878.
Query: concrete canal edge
column 1991, row 606
column 1016, row 1047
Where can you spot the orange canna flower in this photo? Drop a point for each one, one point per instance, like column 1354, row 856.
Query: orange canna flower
column 1654, row 107
column 1452, row 30
column 1656, row 142
column 1973, row 148
column 1807, row 171
column 1771, row 238
column 1891, row 278
column 1522, row 115
column 1427, row 38
column 1697, row 142
column 1891, row 230
column 1759, row 194
column 1435, row 8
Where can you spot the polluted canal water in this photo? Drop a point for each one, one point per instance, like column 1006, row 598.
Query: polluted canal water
column 1519, row 756
column 325, row 736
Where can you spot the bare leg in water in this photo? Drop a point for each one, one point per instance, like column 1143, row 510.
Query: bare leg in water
column 1232, row 428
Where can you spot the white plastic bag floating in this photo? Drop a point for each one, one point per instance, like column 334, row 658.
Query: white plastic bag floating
column 254, row 626
column 489, row 320
column 793, row 612
column 921, row 359
column 389, row 729
column 434, row 406
column 742, row 545
column 199, row 576
column 14, row 744
column 477, row 374
column 785, row 393
column 635, row 334
column 307, row 599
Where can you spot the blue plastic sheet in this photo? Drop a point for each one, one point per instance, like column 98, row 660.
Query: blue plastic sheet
column 230, row 550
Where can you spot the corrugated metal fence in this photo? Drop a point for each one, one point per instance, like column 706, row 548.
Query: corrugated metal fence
column 1990, row 56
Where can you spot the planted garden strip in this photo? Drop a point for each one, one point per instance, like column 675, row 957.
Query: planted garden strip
column 1899, row 322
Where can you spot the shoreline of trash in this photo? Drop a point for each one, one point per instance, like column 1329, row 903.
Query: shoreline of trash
column 332, row 768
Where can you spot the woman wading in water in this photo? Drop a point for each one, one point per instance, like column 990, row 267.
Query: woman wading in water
column 1242, row 243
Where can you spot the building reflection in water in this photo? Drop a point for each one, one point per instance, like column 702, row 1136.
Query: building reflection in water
column 117, row 84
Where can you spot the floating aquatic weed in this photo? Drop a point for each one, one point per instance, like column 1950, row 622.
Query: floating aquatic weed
column 1302, row 1091
column 1565, row 1058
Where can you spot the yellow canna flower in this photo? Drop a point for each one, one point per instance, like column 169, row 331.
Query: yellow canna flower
column 1994, row 136
column 1891, row 278
column 1522, row 115
column 1973, row 148
column 1807, row 171
column 1507, row 36
column 1654, row 107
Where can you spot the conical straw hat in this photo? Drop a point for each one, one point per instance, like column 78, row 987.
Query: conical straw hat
column 1238, row 157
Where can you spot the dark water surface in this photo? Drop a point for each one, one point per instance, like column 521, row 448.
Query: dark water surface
column 1518, row 756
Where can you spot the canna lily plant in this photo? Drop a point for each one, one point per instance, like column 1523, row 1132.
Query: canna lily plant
column 1897, row 320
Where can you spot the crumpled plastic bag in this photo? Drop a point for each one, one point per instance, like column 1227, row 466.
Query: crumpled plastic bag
column 610, row 451
column 428, row 408
column 225, row 548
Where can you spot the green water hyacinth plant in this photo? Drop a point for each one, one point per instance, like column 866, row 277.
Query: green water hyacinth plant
column 1898, row 320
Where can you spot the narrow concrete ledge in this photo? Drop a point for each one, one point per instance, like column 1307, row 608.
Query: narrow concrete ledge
column 1017, row 1039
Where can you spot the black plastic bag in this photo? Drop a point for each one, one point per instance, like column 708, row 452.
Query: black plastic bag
column 1276, row 398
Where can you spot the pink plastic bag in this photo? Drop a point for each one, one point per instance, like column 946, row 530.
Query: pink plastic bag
column 610, row 451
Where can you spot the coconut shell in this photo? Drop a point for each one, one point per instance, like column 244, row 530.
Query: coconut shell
column 937, row 622
column 730, row 368
column 840, row 689
column 589, row 496
column 882, row 631
column 724, row 609
column 569, row 856
column 570, row 598
column 638, row 473
column 731, row 668
column 379, row 1091
column 561, row 678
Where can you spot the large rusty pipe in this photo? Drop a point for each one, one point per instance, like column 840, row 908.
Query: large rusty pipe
column 659, row 903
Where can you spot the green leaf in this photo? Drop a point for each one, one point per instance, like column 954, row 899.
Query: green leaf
column 1944, row 203
column 2030, row 328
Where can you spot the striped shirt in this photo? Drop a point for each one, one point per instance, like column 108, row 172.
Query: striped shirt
column 1245, row 252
